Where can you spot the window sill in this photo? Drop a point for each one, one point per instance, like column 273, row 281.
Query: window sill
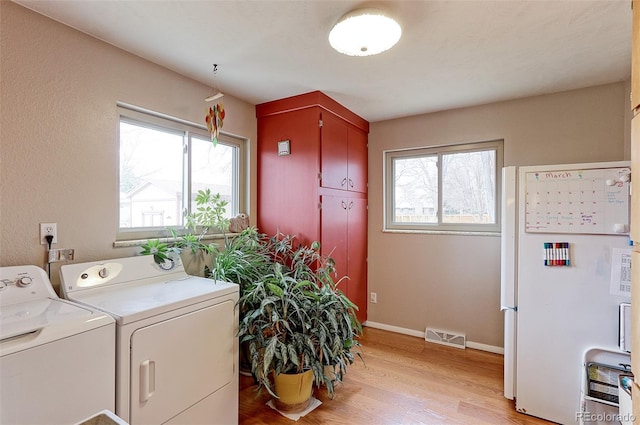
column 139, row 242
column 443, row 232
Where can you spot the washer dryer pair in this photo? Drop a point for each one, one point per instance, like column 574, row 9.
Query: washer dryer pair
column 57, row 359
column 176, row 343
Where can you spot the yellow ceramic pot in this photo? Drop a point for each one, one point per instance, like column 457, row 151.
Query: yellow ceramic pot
column 293, row 390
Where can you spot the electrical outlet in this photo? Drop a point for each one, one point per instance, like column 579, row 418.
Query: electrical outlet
column 373, row 298
column 48, row 229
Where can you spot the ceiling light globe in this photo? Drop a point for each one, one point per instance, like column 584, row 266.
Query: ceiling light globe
column 364, row 32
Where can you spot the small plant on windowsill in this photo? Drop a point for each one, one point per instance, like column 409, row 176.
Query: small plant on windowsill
column 208, row 216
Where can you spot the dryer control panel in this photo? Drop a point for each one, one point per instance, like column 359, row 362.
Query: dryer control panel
column 118, row 271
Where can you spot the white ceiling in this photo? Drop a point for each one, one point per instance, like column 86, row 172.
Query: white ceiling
column 452, row 53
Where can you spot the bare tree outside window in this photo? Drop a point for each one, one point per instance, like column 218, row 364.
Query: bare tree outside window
column 468, row 187
column 416, row 189
column 444, row 188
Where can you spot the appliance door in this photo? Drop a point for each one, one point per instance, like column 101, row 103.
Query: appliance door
column 562, row 312
column 508, row 268
column 180, row 361
column 59, row 382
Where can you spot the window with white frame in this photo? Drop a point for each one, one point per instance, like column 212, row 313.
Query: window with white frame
column 444, row 188
column 164, row 162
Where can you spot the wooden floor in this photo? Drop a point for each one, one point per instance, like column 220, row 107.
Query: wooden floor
column 404, row 380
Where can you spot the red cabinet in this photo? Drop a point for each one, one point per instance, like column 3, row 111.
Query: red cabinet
column 319, row 191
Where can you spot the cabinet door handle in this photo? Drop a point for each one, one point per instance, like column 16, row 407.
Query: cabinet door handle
column 344, row 205
column 344, row 181
column 350, row 204
column 350, row 183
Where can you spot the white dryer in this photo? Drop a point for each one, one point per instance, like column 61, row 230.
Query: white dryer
column 57, row 359
column 176, row 343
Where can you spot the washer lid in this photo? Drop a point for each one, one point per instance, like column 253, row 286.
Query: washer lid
column 53, row 315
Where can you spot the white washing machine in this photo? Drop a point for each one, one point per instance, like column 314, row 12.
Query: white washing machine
column 57, row 359
column 176, row 343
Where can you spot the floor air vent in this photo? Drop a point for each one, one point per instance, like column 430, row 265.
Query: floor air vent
column 445, row 338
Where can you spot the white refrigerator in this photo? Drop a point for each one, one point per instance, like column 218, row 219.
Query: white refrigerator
column 563, row 227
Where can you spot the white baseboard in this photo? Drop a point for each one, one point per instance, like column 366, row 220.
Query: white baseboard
column 395, row 329
column 420, row 334
column 485, row 347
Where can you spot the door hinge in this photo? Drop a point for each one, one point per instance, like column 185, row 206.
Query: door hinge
column 320, row 123
column 320, row 176
column 185, row 149
column 319, row 205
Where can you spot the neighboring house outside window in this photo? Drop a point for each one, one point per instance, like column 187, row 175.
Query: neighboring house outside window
column 164, row 162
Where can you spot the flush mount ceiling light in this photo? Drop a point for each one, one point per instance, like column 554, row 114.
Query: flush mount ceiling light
column 364, row 32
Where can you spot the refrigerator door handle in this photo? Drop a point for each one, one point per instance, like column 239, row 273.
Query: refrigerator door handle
column 510, row 324
column 509, row 238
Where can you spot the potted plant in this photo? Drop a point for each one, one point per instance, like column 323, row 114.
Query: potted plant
column 209, row 214
column 297, row 322
column 293, row 317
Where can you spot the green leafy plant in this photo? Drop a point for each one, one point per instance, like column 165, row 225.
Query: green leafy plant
column 295, row 318
column 160, row 250
column 209, row 214
column 244, row 260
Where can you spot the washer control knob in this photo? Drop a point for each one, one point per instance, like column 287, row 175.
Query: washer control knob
column 103, row 272
column 24, row 281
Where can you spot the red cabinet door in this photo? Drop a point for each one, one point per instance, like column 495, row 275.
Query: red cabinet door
column 333, row 148
column 357, row 159
column 334, row 234
column 344, row 238
column 344, row 155
column 357, row 254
